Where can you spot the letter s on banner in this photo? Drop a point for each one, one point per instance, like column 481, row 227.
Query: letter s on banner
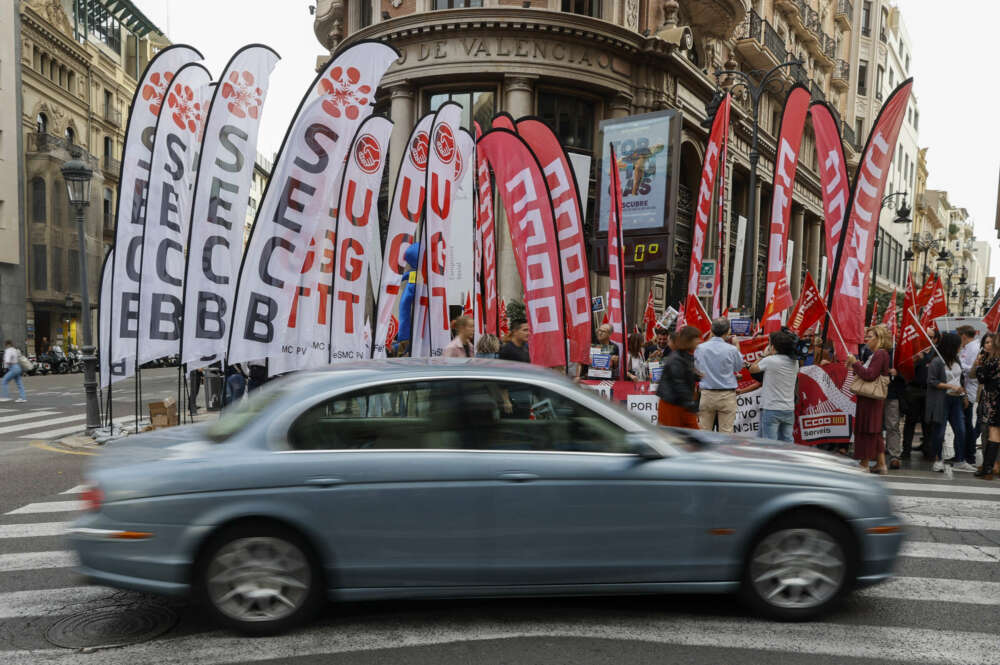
column 300, row 195
column 222, row 195
column 524, row 194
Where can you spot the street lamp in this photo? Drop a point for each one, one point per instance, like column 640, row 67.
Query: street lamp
column 902, row 217
column 77, row 175
column 756, row 91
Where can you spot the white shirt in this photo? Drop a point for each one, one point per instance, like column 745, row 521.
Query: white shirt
column 953, row 376
column 778, row 391
column 10, row 356
column 967, row 356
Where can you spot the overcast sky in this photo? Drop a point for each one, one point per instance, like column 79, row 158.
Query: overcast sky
column 953, row 51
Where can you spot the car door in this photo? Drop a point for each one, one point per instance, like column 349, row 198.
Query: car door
column 398, row 500
column 574, row 505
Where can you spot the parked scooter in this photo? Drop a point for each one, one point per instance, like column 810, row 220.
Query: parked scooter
column 75, row 358
column 57, row 360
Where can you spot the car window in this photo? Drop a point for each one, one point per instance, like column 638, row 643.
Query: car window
column 519, row 416
column 240, row 414
column 409, row 415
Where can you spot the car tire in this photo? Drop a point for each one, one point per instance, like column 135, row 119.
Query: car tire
column 799, row 567
column 259, row 580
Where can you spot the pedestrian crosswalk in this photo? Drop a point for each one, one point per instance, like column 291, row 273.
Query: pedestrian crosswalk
column 949, row 567
column 44, row 423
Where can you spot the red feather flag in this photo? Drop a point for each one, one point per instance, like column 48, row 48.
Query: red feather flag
column 467, row 310
column 912, row 338
column 936, row 304
column 890, row 315
column 504, row 324
column 649, row 318
column 874, row 313
column 992, row 318
column 924, row 294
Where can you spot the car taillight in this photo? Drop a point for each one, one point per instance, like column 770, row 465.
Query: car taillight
column 92, row 498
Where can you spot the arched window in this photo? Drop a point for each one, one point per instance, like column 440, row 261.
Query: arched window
column 42, row 123
column 70, row 135
column 38, row 199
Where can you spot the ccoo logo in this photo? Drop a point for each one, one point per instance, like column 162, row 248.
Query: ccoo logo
column 418, row 150
column 444, row 143
column 367, row 154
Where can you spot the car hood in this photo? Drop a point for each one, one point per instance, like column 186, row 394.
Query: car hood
column 181, row 442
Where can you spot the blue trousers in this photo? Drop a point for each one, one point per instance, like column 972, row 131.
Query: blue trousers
column 955, row 416
column 14, row 373
column 777, row 425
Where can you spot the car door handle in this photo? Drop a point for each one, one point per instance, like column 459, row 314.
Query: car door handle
column 323, row 482
column 517, row 477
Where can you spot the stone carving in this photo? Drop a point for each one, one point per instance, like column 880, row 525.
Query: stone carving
column 632, row 14
column 328, row 25
column 52, row 11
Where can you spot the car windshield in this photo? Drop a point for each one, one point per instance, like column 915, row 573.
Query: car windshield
column 237, row 416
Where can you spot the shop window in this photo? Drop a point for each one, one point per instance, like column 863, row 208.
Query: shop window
column 39, row 268
column 456, row 4
column 477, row 105
column 584, row 7
column 571, row 118
column 38, row 200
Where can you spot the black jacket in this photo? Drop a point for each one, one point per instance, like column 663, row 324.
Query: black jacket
column 676, row 386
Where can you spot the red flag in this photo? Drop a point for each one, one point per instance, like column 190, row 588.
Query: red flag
column 704, row 206
column 793, row 121
column 616, row 257
column 604, row 319
column 833, row 177
column 924, row 294
column 467, row 310
column 937, row 305
column 874, row 319
column 504, row 120
column 695, row 315
column 524, row 194
column 808, row 310
column 890, row 315
column 649, row 318
column 720, row 261
column 912, row 338
column 504, row 328
column 681, row 318
column 850, row 292
column 992, row 318
column 752, row 350
column 569, row 228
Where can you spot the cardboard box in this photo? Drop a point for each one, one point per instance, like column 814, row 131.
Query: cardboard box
column 163, row 413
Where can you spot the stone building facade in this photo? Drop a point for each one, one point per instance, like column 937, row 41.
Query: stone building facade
column 79, row 61
column 575, row 63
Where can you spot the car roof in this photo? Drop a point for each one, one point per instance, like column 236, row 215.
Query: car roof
column 430, row 367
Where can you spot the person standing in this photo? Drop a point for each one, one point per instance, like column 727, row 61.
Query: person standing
column 607, row 347
column 893, row 413
column 987, row 369
column 914, row 408
column 678, row 406
column 11, row 360
column 659, row 348
column 637, row 368
column 461, row 344
column 516, row 348
column 868, row 441
column 195, row 377
column 488, row 346
column 780, row 366
column 965, row 451
column 718, row 361
column 944, row 396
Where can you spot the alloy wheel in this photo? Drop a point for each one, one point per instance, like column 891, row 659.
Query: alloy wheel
column 797, row 568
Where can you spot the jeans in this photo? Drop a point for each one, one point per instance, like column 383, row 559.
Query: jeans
column 235, row 385
column 914, row 414
column 966, row 449
column 777, row 425
column 954, row 416
column 14, row 373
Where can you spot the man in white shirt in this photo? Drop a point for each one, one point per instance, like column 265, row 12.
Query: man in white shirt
column 780, row 366
column 10, row 361
column 965, row 452
column 718, row 361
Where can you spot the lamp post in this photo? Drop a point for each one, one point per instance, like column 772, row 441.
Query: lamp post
column 756, row 91
column 902, row 217
column 77, row 175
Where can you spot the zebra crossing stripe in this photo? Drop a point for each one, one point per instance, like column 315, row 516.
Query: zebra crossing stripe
column 25, row 416
column 36, row 530
column 946, row 507
column 952, row 523
column 951, row 551
column 48, row 507
column 36, row 560
column 49, row 601
column 955, row 489
column 51, row 421
column 938, row 590
column 75, row 490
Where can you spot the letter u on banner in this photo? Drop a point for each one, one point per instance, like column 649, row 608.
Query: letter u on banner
column 526, row 201
column 832, row 175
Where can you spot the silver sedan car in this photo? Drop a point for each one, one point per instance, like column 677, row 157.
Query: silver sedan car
column 452, row 478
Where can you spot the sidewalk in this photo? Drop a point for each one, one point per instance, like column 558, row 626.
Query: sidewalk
column 105, row 435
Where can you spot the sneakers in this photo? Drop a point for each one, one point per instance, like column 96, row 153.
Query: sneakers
column 20, row 400
column 964, row 466
column 938, row 466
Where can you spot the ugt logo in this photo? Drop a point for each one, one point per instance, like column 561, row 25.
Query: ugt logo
column 444, row 143
column 418, row 150
column 367, row 154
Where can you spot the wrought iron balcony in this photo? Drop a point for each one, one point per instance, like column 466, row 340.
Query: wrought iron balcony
column 844, row 14
column 813, row 22
column 866, row 31
column 800, row 75
column 817, row 91
column 829, row 47
column 755, row 29
column 841, row 74
column 113, row 116
column 43, row 142
column 847, row 133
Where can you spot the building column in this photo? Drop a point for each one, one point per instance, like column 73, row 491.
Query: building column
column 402, row 116
column 620, row 106
column 798, row 221
column 814, row 247
column 519, row 100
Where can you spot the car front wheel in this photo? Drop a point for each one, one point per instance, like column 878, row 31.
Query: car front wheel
column 799, row 567
column 259, row 580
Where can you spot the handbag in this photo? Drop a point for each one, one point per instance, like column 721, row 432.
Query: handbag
column 24, row 362
column 877, row 389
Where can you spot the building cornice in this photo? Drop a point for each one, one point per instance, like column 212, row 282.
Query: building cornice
column 31, row 19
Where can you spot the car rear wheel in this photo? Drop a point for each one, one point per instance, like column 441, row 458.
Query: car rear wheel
column 260, row 580
column 799, row 567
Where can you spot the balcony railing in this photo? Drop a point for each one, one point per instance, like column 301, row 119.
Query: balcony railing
column 812, row 21
column 829, row 46
column 845, row 9
column 43, row 142
column 774, row 43
column 113, row 116
column 817, row 91
column 800, row 75
column 112, row 166
column 866, row 31
column 759, row 30
column 847, row 132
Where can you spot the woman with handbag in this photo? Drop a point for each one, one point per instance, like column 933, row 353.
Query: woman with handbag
column 987, row 368
column 871, row 385
column 944, row 396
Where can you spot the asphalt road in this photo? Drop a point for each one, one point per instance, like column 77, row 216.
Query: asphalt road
column 943, row 607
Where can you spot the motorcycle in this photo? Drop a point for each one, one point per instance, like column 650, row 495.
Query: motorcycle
column 57, row 360
column 75, row 358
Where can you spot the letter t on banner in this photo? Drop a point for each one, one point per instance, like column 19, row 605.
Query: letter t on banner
column 705, row 189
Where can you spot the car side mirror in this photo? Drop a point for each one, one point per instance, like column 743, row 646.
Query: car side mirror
column 639, row 444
